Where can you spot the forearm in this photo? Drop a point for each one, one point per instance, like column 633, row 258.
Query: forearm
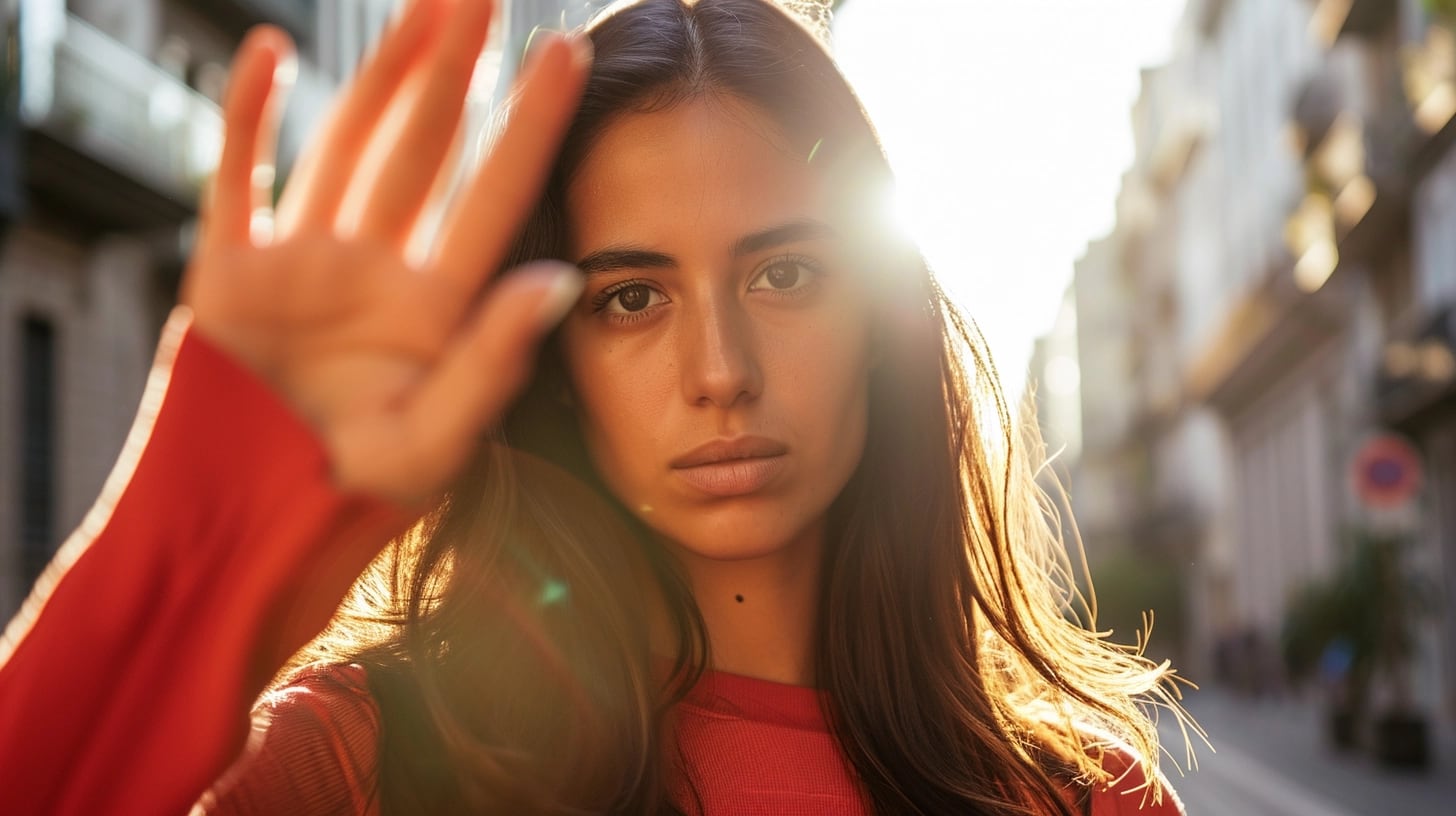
column 218, row 548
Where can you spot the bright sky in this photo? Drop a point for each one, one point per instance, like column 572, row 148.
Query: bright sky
column 1008, row 125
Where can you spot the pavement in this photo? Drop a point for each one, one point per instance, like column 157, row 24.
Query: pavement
column 1270, row 758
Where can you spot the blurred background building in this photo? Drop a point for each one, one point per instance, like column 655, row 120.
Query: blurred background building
column 1278, row 287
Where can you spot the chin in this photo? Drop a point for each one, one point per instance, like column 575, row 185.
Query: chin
column 734, row 534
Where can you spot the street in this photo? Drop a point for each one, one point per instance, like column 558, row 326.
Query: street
column 1270, row 759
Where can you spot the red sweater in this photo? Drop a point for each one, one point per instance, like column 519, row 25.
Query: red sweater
column 217, row 549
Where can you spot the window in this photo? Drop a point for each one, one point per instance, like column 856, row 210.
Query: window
column 37, row 446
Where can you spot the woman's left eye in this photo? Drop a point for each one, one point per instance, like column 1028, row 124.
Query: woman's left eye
column 786, row 275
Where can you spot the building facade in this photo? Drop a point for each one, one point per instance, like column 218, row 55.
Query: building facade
column 1277, row 288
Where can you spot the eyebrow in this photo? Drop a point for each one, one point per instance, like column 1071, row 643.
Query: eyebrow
column 612, row 259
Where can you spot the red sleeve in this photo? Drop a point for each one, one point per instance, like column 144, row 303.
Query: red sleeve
column 1128, row 793
column 314, row 749
column 217, row 548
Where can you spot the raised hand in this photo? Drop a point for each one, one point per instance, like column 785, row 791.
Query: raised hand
column 396, row 361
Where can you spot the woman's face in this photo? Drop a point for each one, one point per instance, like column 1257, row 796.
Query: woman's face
column 719, row 355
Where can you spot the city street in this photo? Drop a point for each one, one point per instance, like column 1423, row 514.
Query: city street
column 1270, row 759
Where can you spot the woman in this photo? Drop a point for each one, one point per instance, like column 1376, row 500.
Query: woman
column 753, row 538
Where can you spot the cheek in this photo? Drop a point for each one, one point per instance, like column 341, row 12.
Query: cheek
column 822, row 373
column 621, row 391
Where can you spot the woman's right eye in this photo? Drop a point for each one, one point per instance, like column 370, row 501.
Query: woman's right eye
column 629, row 299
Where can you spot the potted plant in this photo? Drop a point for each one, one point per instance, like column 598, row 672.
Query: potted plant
column 1358, row 629
column 1315, row 644
column 1394, row 604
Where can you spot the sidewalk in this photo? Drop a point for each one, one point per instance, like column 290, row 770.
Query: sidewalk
column 1270, row 758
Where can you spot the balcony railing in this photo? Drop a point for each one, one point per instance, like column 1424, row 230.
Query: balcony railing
column 112, row 104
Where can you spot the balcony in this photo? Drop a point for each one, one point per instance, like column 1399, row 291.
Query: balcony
column 1370, row 18
column 1177, row 140
column 1418, row 373
column 298, row 17
column 1358, row 147
column 299, row 13
column 1355, row 18
column 1171, row 119
column 1268, row 330
column 1363, row 166
column 120, row 139
column 1430, row 89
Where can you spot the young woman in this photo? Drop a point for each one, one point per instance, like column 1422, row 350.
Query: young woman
column 754, row 535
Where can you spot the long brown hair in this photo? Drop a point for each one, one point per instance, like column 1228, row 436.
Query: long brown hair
column 505, row 637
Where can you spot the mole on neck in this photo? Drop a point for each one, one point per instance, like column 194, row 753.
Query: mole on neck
column 738, row 598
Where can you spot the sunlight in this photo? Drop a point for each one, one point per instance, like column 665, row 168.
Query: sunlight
column 1008, row 128
column 900, row 215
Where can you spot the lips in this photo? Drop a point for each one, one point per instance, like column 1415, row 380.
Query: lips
column 727, row 450
column 732, row 467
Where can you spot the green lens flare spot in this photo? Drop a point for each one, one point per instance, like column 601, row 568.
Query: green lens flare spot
column 552, row 592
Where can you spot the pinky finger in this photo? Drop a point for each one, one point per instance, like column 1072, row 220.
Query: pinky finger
column 239, row 187
column 265, row 153
column 491, row 359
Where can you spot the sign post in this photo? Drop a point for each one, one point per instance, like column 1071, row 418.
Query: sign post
column 1386, row 475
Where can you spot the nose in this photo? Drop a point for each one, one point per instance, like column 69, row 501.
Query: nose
column 718, row 361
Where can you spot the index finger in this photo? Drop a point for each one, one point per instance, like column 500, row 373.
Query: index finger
column 496, row 201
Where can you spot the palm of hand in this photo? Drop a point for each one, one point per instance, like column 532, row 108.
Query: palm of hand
column 345, row 331
column 397, row 365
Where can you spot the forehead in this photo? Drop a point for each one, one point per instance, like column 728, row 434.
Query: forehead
column 709, row 168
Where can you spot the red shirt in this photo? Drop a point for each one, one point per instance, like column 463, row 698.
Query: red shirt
column 218, row 548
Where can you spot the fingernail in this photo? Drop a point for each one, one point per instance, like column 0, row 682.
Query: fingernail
column 581, row 49
column 285, row 74
column 562, row 291
column 540, row 41
column 264, row 174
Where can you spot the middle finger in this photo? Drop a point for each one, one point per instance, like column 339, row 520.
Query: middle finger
column 496, row 200
column 321, row 179
column 431, row 113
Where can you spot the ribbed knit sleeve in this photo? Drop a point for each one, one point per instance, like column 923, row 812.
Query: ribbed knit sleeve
column 314, row 750
column 218, row 547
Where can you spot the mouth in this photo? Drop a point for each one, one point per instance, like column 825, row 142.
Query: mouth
column 730, row 450
column 732, row 467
